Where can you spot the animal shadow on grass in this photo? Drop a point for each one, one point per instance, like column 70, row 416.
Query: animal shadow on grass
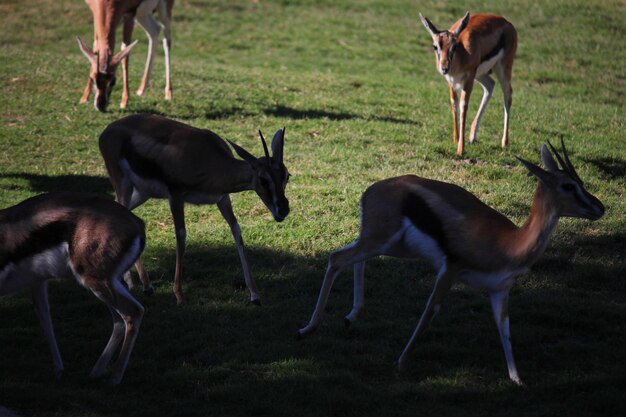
column 208, row 114
column 296, row 114
column 70, row 182
column 611, row 167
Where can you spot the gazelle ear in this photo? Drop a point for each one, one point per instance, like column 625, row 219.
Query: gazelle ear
column 278, row 141
column 123, row 54
column 429, row 26
column 547, row 160
column 245, row 155
column 535, row 170
column 463, row 24
column 86, row 51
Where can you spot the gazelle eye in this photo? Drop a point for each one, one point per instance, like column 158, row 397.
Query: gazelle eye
column 435, row 48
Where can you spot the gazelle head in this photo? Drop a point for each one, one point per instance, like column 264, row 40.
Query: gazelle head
column 444, row 42
column 102, row 72
column 270, row 175
column 565, row 188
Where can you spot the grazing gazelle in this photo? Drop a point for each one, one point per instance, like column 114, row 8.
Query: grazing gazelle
column 93, row 239
column 469, row 51
column 465, row 239
column 107, row 16
column 150, row 156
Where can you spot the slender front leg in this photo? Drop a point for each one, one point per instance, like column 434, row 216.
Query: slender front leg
column 446, row 277
column 465, row 96
column 86, row 92
column 359, row 293
column 226, row 209
column 127, row 36
column 454, row 103
column 488, row 84
column 500, row 307
column 42, row 309
column 165, row 14
column 177, row 206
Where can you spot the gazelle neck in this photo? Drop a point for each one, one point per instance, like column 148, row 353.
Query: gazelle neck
column 240, row 178
column 534, row 235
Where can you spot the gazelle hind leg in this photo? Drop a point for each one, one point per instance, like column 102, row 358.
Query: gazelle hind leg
column 488, row 84
column 117, row 335
column 152, row 28
column 445, row 279
column 359, row 292
column 356, row 252
column 165, row 14
column 503, row 73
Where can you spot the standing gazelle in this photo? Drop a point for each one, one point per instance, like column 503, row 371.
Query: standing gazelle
column 469, row 51
column 465, row 239
column 93, row 239
column 150, row 156
column 107, row 16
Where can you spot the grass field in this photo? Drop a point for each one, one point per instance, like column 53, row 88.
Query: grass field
column 355, row 86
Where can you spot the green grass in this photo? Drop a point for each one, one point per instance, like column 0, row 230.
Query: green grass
column 355, row 85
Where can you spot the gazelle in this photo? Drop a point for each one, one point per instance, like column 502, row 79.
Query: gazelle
column 93, row 239
column 107, row 16
column 150, row 156
column 465, row 239
column 470, row 51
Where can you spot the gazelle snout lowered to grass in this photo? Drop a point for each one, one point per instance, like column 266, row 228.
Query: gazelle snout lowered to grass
column 471, row 50
column 95, row 240
column 464, row 239
column 150, row 156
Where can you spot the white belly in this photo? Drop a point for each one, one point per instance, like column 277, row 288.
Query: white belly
column 410, row 242
column 29, row 272
column 487, row 65
column 491, row 281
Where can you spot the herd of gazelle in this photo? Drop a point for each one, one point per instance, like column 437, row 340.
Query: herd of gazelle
column 97, row 241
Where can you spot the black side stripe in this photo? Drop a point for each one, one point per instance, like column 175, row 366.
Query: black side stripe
column 496, row 49
column 40, row 240
column 417, row 210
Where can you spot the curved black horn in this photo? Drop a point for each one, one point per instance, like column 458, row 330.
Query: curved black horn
column 267, row 153
column 569, row 163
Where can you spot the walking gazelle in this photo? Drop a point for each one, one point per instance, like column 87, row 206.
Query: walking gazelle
column 469, row 52
column 466, row 240
column 95, row 240
column 150, row 156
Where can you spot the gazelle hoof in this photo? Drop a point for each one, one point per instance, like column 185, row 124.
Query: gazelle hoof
column 256, row 302
column 347, row 322
column 148, row 291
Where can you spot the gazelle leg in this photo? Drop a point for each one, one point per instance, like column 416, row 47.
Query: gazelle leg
column 165, row 17
column 127, row 37
column 177, row 207
column 356, row 252
column 117, row 335
column 226, row 209
column 131, row 198
column 88, row 87
column 152, row 28
column 454, row 103
column 42, row 309
column 463, row 104
column 500, row 307
column 357, row 305
column 488, row 84
column 503, row 73
column 127, row 316
column 445, row 279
